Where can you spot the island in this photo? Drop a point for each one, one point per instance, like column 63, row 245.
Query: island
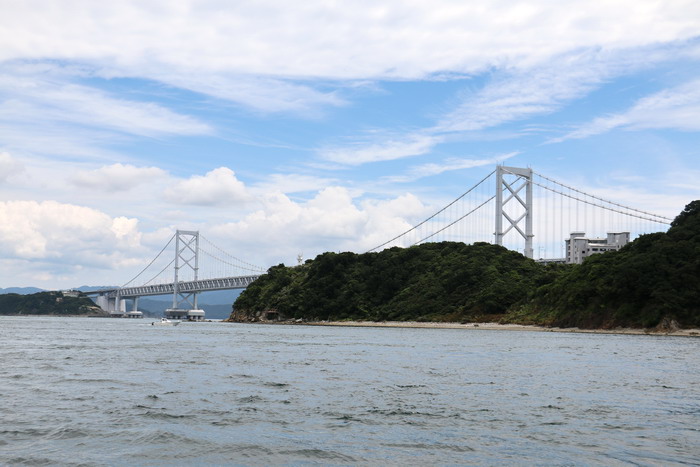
column 651, row 283
column 55, row 303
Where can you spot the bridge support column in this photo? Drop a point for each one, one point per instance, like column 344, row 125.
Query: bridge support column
column 506, row 183
column 102, row 302
column 118, row 305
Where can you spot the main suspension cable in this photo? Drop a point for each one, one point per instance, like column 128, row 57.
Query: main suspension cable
column 665, row 221
column 603, row 200
column 431, row 217
column 149, row 264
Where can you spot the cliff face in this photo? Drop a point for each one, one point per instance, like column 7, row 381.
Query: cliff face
column 47, row 303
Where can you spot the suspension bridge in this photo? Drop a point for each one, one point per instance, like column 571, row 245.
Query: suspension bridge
column 517, row 208
column 187, row 283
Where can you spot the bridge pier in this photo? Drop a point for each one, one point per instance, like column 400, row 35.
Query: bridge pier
column 116, row 306
column 185, row 315
column 111, row 304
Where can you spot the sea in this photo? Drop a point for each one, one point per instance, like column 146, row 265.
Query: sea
column 93, row 392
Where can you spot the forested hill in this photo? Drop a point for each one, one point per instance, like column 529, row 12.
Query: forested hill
column 430, row 282
column 47, row 303
column 653, row 280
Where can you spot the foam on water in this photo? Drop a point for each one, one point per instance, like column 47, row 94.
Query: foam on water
column 122, row 392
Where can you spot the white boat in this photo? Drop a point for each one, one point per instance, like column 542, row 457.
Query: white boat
column 165, row 322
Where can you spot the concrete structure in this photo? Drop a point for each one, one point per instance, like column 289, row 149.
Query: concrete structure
column 111, row 303
column 185, row 315
column 579, row 247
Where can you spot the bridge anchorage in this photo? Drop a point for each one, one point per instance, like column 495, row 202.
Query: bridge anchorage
column 187, row 284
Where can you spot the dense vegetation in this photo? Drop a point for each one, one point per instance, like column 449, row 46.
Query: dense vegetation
column 431, row 282
column 653, row 279
column 47, row 303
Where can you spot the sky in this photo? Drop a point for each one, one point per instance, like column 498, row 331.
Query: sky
column 277, row 129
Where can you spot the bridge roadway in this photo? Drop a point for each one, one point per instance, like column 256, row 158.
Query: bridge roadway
column 200, row 285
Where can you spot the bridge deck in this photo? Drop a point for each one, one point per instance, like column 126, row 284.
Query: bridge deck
column 201, row 285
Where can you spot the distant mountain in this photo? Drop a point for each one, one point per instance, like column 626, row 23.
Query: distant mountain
column 48, row 303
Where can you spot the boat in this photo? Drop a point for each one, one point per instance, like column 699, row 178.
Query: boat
column 165, row 322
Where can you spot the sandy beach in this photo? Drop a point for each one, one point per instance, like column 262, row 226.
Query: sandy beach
column 503, row 327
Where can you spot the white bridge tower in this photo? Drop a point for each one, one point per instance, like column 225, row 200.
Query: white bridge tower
column 186, row 259
column 512, row 180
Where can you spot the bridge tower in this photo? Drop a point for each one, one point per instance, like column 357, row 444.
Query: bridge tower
column 186, row 259
column 512, row 180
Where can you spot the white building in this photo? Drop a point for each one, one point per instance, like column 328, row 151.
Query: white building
column 579, row 247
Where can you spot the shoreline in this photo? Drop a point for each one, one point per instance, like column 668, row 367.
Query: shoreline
column 497, row 327
column 691, row 332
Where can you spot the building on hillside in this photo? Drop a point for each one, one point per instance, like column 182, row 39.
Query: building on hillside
column 580, row 247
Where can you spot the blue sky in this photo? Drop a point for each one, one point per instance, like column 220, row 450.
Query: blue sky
column 277, row 130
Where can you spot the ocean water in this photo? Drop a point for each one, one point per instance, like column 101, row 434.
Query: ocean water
column 78, row 391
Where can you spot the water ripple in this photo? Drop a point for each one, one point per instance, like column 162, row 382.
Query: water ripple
column 294, row 395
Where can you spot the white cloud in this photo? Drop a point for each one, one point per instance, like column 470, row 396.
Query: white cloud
column 521, row 93
column 331, row 221
column 67, row 234
column 56, row 139
column 117, row 177
column 218, row 187
column 265, row 95
column 52, row 244
column 357, row 154
column 9, row 166
column 677, row 108
column 407, row 39
column 511, row 95
column 453, row 163
column 33, row 99
column 292, row 183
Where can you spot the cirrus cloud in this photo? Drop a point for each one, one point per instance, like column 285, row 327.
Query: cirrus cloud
column 677, row 108
column 357, row 154
column 407, row 39
column 9, row 166
column 117, row 177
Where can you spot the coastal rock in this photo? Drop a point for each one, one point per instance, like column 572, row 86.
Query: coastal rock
column 668, row 325
column 245, row 316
